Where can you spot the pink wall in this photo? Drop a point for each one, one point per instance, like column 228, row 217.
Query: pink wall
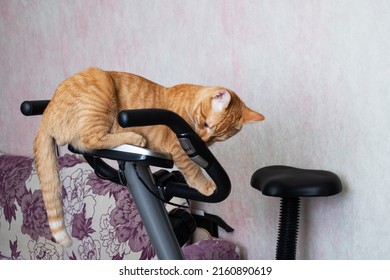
column 319, row 72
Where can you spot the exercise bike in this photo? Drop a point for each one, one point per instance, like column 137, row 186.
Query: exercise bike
column 150, row 190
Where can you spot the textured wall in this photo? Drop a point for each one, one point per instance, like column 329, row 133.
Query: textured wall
column 318, row 70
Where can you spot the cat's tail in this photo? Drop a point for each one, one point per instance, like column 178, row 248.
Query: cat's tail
column 45, row 158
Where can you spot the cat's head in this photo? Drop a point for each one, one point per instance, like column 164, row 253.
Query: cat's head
column 220, row 114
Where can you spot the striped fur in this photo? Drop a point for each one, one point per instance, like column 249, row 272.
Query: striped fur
column 83, row 112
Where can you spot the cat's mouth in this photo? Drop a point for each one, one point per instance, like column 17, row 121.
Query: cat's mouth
column 212, row 140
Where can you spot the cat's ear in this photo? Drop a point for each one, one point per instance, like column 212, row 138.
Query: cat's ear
column 249, row 116
column 220, row 100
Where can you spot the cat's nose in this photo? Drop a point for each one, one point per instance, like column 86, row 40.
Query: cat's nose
column 205, row 137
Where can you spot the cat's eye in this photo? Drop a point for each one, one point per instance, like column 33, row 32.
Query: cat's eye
column 206, row 125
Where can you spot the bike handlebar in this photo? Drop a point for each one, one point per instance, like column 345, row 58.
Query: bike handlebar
column 33, row 108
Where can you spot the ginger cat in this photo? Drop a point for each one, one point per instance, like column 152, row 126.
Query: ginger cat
column 83, row 112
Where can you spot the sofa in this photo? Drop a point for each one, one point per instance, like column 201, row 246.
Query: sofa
column 100, row 216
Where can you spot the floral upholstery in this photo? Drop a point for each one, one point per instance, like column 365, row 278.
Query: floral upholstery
column 100, row 216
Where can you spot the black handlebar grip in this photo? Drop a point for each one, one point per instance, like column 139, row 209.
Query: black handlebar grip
column 33, row 108
column 153, row 116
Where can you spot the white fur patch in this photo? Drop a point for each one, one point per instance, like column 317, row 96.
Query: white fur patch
column 63, row 238
column 57, row 224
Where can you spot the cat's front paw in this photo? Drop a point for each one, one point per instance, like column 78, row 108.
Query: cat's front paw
column 208, row 189
column 140, row 141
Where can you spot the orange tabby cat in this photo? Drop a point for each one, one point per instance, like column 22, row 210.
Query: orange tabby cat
column 83, row 112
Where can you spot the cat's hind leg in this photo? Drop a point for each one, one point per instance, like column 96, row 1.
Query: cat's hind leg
column 111, row 140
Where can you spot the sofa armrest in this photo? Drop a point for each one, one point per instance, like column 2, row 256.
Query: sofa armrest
column 100, row 216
